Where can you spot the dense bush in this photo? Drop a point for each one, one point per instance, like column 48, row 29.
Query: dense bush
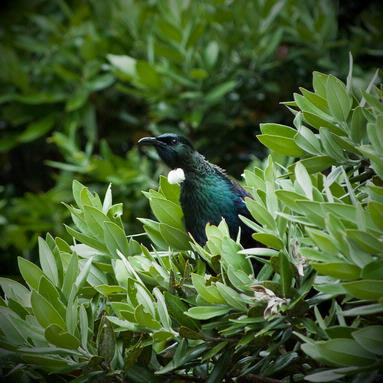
column 104, row 307
column 93, row 76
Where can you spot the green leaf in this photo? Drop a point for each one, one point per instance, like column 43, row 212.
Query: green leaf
column 344, row 352
column 124, row 324
column 100, row 82
column 199, row 74
column 339, row 102
column 373, row 270
column 177, row 309
column 49, row 291
column 175, row 238
column 331, row 146
column 10, row 329
column 106, row 341
column 210, row 53
column 229, row 254
column 261, row 251
column 318, row 256
column 125, row 64
column 107, row 290
column 328, row 375
column 84, row 330
column 45, row 312
column 319, row 122
column 319, row 83
column 71, row 315
column 162, row 309
column 145, row 319
column 77, row 187
column 323, row 241
column 214, row 351
column 37, row 129
column 86, row 239
column 254, row 180
column 183, row 355
column 373, row 101
column 370, row 338
column 344, row 271
column 231, row 297
column 48, row 262
column 278, row 130
column 281, row 145
column 285, row 271
column 269, row 240
column 115, row 239
column 145, row 299
column 259, row 213
column 372, row 309
column 167, row 212
column 365, row 241
column 46, row 362
column 152, row 229
column 376, row 210
column 358, row 125
column 314, row 164
column 168, row 31
column 170, row 191
column 289, row 198
column 209, row 293
column 305, row 105
column 94, row 219
column 308, row 141
column 311, row 210
column 16, row 291
column 238, row 278
column 304, row 180
column 70, row 276
column 315, row 99
column 30, row 272
column 78, row 99
column 91, row 274
column 55, row 335
column 221, row 366
column 368, row 289
column 148, row 75
column 207, row 312
column 219, row 91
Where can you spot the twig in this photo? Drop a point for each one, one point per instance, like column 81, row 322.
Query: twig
column 363, row 177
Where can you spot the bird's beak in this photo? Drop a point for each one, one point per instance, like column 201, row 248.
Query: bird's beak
column 148, row 141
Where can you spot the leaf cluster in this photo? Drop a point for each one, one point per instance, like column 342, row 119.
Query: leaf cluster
column 90, row 78
column 306, row 306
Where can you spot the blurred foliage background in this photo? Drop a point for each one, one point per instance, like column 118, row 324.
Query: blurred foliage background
column 81, row 81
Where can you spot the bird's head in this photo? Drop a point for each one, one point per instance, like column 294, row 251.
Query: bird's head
column 176, row 151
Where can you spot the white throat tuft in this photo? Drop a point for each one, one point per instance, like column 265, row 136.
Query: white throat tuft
column 176, row 176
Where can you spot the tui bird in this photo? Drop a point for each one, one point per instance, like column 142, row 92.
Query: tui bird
column 207, row 193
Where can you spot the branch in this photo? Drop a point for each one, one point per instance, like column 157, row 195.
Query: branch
column 364, row 176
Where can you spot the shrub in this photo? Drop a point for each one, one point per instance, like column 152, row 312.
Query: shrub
column 83, row 74
column 107, row 308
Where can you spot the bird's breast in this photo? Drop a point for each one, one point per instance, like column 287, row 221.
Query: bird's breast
column 206, row 202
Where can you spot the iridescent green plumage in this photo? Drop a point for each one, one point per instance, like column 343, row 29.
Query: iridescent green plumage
column 207, row 194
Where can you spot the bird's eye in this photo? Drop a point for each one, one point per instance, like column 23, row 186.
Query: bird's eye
column 173, row 141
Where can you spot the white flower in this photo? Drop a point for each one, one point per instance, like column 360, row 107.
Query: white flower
column 176, row 176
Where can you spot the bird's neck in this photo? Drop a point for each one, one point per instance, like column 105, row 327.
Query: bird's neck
column 197, row 167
